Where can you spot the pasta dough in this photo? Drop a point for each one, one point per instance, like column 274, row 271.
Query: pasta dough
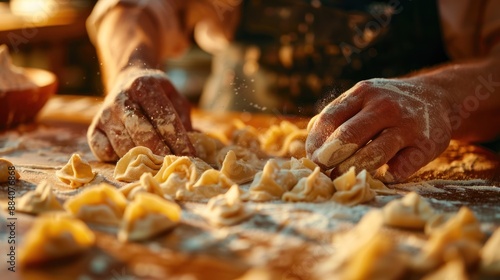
column 490, row 255
column 147, row 216
column 136, row 162
column 206, row 146
column 284, row 140
column 102, row 204
column 458, row 238
column 42, row 199
column 227, row 209
column 238, row 171
column 52, row 238
column 352, row 189
column 412, row 211
column 6, row 170
column 454, row 270
column 248, row 138
column 271, row 183
column 76, row 172
column 145, row 184
column 316, row 187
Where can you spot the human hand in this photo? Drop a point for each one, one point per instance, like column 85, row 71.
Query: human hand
column 143, row 109
column 381, row 121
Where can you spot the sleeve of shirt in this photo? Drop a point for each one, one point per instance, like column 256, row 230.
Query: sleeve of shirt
column 471, row 28
column 166, row 13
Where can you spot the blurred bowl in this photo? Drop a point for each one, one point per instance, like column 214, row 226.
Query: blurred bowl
column 22, row 106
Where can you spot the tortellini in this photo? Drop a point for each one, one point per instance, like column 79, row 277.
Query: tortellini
column 227, row 209
column 316, row 187
column 76, row 172
column 412, row 211
column 352, row 189
column 42, row 199
column 145, row 184
column 102, row 204
column 237, row 170
column 271, row 183
column 248, row 138
column 206, row 146
column 284, row 140
column 454, row 269
column 52, row 238
column 490, row 255
column 6, row 170
column 459, row 238
column 136, row 162
column 147, row 216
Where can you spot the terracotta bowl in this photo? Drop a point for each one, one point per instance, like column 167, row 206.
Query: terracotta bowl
column 22, row 106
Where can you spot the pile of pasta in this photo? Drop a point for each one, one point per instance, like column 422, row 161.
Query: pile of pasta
column 249, row 166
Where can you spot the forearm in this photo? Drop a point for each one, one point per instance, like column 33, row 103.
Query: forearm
column 126, row 36
column 472, row 90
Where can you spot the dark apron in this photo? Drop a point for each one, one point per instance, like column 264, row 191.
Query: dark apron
column 292, row 57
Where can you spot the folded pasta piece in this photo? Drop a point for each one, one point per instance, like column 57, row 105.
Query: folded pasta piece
column 271, row 183
column 206, row 146
column 102, row 204
column 184, row 167
column 297, row 164
column 238, row 171
column 52, row 238
column 351, row 189
column 459, row 238
column 284, row 140
column 454, row 269
column 76, row 172
column 7, row 170
column 227, row 209
column 490, row 255
column 211, row 183
column 411, row 211
column 147, row 183
column 42, row 199
column 364, row 253
column 316, row 187
column 242, row 155
column 135, row 162
column 147, row 216
column 248, row 138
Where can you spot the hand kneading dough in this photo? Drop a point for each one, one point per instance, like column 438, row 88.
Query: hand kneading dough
column 5, row 171
column 227, row 209
column 490, row 255
column 271, row 183
column 101, row 204
column 315, row 187
column 145, row 184
column 76, row 172
column 206, row 146
column 237, row 170
column 364, row 253
column 412, row 211
column 147, row 216
column 42, row 199
column 136, row 162
column 351, row 189
column 459, row 238
column 52, row 238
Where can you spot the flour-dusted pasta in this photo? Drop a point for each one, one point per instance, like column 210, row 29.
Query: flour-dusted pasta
column 40, row 200
column 147, row 183
column 76, row 172
column 227, row 209
column 248, row 138
column 136, row 162
column 211, row 183
column 271, row 183
column 102, row 204
column 53, row 238
column 453, row 270
column 206, row 146
column 412, row 211
column 353, row 189
column 316, row 187
column 490, row 255
column 7, row 170
column 364, row 252
column 242, row 155
column 458, row 238
column 297, row 164
column 238, row 171
column 147, row 216
column 284, row 140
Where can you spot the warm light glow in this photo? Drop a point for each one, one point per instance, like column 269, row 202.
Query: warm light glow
column 38, row 10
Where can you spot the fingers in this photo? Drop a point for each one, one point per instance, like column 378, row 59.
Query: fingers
column 163, row 115
column 405, row 163
column 118, row 137
column 100, row 145
column 376, row 153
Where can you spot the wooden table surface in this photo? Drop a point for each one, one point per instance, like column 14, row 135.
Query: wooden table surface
column 287, row 237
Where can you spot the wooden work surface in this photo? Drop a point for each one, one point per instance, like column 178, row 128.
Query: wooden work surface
column 289, row 238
